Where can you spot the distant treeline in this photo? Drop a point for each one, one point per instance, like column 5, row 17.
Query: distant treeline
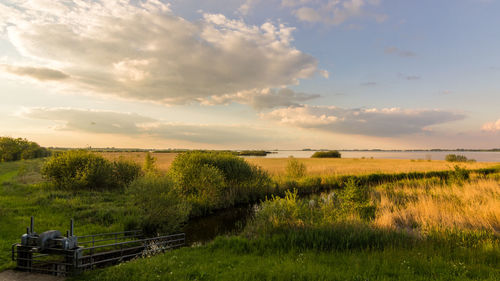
column 12, row 149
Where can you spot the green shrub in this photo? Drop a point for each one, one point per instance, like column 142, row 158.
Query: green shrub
column 79, row 169
column 212, row 180
column 456, row 158
column 355, row 199
column 459, row 175
column 326, row 154
column 125, row 171
column 149, row 163
column 295, row 169
column 161, row 207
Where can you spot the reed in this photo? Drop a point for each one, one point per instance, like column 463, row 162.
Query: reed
column 473, row 205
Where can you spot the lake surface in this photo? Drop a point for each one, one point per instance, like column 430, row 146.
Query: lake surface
column 433, row 155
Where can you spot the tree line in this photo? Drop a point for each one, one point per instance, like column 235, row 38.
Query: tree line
column 13, row 149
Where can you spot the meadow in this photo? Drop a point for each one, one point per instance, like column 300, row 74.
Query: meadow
column 319, row 166
column 371, row 220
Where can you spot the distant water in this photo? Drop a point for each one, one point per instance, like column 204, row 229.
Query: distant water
column 433, row 155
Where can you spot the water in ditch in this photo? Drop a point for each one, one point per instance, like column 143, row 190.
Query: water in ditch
column 223, row 222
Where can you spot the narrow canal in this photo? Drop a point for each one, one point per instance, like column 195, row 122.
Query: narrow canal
column 222, row 222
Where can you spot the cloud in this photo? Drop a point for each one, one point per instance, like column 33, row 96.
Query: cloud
column 368, row 84
column 144, row 51
column 267, row 98
column 38, row 73
column 308, row 14
column 245, row 8
column 387, row 122
column 131, row 124
column 398, row 52
column 334, row 12
column 491, row 126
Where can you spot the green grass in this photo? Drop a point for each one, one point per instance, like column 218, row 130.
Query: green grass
column 232, row 259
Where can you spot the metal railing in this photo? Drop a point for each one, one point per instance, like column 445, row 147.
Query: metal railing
column 93, row 251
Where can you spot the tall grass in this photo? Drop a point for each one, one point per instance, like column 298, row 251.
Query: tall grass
column 452, row 212
column 430, row 204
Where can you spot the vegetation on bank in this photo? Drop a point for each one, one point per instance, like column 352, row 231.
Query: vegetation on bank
column 331, row 237
column 326, row 154
column 158, row 206
column 12, row 149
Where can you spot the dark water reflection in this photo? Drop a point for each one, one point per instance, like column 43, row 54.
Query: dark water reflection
column 222, row 222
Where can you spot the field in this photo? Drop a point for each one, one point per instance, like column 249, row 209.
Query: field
column 430, row 228
column 319, row 167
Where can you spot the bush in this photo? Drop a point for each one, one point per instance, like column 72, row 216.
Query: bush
column 295, row 169
column 212, row 180
column 160, row 205
column 125, row 171
column 79, row 169
column 355, row 199
column 16, row 149
column 459, row 175
column 149, row 163
column 326, row 154
column 456, row 158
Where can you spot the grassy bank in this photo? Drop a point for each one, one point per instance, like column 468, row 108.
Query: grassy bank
column 274, row 258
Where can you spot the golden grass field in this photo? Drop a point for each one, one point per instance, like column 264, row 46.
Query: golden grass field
column 471, row 205
column 320, row 166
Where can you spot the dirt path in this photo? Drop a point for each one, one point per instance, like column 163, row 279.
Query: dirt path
column 11, row 275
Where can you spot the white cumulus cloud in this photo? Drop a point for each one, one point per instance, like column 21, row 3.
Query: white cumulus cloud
column 143, row 51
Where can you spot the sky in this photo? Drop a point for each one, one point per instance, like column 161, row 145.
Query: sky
column 251, row 74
